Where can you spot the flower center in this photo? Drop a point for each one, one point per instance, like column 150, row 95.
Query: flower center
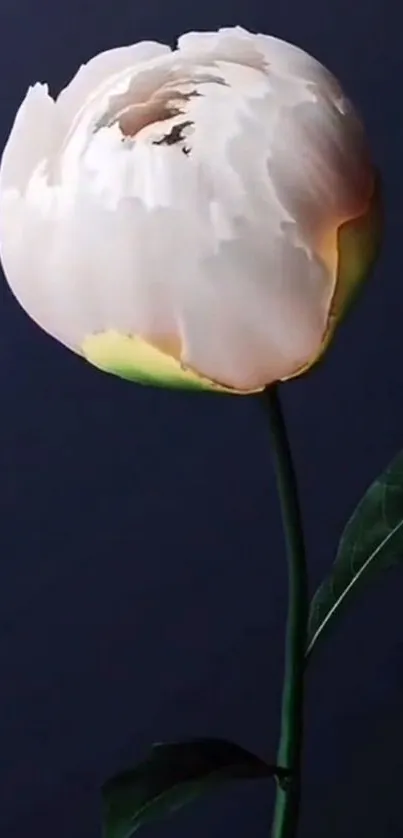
column 133, row 118
column 168, row 104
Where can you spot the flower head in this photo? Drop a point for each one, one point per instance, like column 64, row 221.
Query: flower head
column 197, row 217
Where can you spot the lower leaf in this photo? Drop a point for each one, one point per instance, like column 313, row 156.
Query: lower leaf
column 173, row 775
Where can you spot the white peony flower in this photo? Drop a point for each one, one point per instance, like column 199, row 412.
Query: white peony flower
column 194, row 218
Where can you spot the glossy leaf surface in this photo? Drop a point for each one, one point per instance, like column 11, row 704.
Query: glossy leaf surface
column 371, row 543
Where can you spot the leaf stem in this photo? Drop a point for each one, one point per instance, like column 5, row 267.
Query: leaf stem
column 286, row 812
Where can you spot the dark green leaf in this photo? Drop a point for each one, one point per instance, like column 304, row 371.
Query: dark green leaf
column 372, row 542
column 173, row 775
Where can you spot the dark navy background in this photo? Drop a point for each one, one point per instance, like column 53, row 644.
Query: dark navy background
column 142, row 579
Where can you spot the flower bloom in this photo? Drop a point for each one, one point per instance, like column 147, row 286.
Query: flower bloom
column 194, row 218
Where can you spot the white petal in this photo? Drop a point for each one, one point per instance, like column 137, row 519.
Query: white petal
column 229, row 44
column 35, row 135
column 111, row 270
column 30, row 246
column 264, row 51
column 100, row 68
column 317, row 153
column 255, row 314
column 136, row 88
column 319, row 166
column 288, row 60
column 83, row 267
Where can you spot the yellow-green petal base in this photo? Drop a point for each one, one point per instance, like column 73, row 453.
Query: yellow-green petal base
column 134, row 359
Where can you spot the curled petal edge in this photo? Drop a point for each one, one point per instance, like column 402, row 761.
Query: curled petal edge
column 358, row 247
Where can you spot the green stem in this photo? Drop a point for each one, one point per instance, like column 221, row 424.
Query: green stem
column 286, row 810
